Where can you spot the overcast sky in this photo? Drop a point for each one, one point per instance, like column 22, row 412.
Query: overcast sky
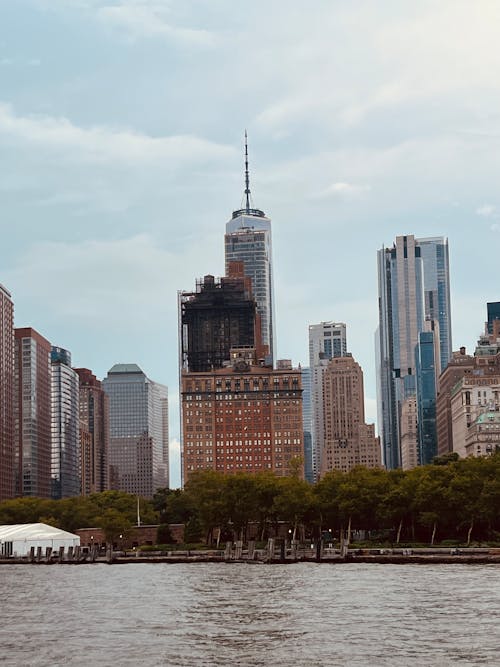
column 121, row 133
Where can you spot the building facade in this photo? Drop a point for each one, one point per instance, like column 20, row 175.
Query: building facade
column 244, row 417
column 32, row 409
column 138, row 416
column 327, row 340
column 218, row 315
column 413, row 282
column 427, row 370
column 348, row 440
column 66, row 453
column 94, row 433
column 7, row 438
column 308, row 424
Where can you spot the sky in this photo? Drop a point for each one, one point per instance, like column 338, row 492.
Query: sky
column 121, row 144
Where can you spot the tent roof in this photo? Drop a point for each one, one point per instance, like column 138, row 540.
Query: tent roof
column 41, row 531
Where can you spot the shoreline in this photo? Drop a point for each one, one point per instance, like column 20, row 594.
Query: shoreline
column 380, row 559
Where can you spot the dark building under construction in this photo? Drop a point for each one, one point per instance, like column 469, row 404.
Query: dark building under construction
column 220, row 315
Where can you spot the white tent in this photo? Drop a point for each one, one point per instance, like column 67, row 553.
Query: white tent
column 17, row 540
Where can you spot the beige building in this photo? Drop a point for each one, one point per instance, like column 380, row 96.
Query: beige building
column 409, row 433
column 483, row 436
column 348, row 440
column 243, row 417
column 470, row 398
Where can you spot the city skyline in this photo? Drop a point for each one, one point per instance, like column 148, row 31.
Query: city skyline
column 115, row 201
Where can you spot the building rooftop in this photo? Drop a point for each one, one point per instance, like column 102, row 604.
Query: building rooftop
column 125, row 368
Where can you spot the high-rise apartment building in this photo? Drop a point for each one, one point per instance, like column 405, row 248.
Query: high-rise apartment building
column 138, row 415
column 327, row 340
column 348, row 440
column 308, row 424
column 248, row 240
column 32, row 409
column 65, row 400
column 94, row 433
column 413, row 280
column 244, row 417
column 7, row 440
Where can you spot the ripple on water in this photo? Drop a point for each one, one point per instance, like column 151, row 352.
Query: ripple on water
column 218, row 614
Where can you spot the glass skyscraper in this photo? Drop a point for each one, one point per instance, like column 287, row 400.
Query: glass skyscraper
column 413, row 281
column 426, row 370
column 248, row 240
column 138, row 416
column 65, row 460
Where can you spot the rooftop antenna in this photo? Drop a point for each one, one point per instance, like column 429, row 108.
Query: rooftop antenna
column 247, row 177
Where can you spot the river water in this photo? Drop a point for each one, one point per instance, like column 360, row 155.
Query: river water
column 250, row 615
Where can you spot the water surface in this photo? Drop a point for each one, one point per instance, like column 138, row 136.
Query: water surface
column 366, row 615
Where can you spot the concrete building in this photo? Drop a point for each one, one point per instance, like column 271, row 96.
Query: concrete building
column 7, row 439
column 460, row 365
column 348, row 440
column 244, row 417
column 409, row 434
column 32, row 410
column 458, row 402
column 94, row 433
column 483, row 435
column 65, row 404
column 327, row 340
column 413, row 279
column 138, row 414
column 248, row 240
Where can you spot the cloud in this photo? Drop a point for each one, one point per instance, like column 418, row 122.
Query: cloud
column 495, row 227
column 105, row 144
column 486, row 210
column 149, row 19
column 344, row 190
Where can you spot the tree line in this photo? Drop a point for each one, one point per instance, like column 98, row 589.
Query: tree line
column 451, row 499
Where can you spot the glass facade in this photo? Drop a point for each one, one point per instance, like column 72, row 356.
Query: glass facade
column 138, row 429
column 6, row 395
column 66, row 458
column 307, row 421
column 248, row 240
column 413, row 281
column 425, row 363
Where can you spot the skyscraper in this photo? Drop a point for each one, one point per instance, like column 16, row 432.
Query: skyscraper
column 66, row 457
column 413, row 280
column 327, row 340
column 248, row 239
column 94, row 433
column 7, row 441
column 138, row 413
column 348, row 441
column 33, row 435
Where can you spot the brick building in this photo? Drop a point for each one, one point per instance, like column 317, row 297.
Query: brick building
column 244, row 417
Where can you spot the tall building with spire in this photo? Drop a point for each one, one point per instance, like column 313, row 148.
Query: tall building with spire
column 248, row 240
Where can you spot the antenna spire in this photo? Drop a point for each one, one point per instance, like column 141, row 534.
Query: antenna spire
column 247, row 177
